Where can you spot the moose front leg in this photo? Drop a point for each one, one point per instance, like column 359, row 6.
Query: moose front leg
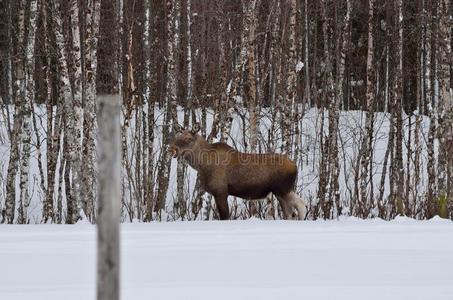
column 221, row 201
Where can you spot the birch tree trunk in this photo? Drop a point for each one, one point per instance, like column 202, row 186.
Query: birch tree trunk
column 448, row 102
column 445, row 102
column 222, row 80
column 251, row 76
column 9, row 210
column 88, row 182
column 383, row 210
column 324, row 164
column 129, row 89
column 24, row 200
column 449, row 146
column 418, row 117
column 334, row 114
column 64, row 91
column 171, row 117
column 180, row 206
column 367, row 142
column 147, row 119
column 430, row 66
column 53, row 121
column 291, row 86
column 250, row 88
column 153, row 95
column 274, row 71
column 189, row 56
column 6, row 90
column 397, row 121
column 306, row 55
column 74, row 113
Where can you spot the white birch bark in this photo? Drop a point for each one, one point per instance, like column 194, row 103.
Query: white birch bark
column 367, row 141
column 446, row 95
column 398, row 94
column 164, row 167
column 271, row 203
column 64, row 92
column 334, row 114
column 25, row 137
column 418, row 113
column 189, row 55
column 306, row 54
column 74, row 114
column 6, row 97
column 147, row 45
column 9, row 210
column 59, row 133
column 180, row 205
column 325, row 189
column 251, row 19
column 149, row 195
column 251, row 78
column 145, row 155
column 53, row 142
column 396, row 168
column 6, row 74
column 288, row 103
column 445, row 98
column 428, row 74
column 88, row 174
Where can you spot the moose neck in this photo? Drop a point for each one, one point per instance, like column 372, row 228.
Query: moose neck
column 196, row 158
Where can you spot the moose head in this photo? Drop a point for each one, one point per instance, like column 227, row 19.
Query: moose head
column 184, row 140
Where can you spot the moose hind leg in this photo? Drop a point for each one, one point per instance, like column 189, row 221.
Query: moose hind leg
column 298, row 204
column 286, row 207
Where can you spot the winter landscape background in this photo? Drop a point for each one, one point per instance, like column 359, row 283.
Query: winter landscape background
column 357, row 92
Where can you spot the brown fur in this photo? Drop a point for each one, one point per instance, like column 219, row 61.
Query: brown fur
column 224, row 171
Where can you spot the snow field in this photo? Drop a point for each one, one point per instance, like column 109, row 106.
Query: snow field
column 347, row 259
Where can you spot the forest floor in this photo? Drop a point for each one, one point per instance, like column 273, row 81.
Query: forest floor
column 346, row 259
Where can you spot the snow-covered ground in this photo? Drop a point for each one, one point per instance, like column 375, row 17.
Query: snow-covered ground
column 347, row 259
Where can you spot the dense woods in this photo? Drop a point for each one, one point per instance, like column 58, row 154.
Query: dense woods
column 357, row 92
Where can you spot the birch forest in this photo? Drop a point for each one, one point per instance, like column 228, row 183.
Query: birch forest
column 357, row 92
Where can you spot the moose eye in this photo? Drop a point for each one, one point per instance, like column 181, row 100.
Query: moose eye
column 188, row 138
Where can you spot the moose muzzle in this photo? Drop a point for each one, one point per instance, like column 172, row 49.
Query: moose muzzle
column 173, row 150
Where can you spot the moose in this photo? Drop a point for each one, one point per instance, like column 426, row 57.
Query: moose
column 223, row 171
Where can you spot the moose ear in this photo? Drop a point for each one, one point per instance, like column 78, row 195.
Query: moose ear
column 177, row 128
column 195, row 128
